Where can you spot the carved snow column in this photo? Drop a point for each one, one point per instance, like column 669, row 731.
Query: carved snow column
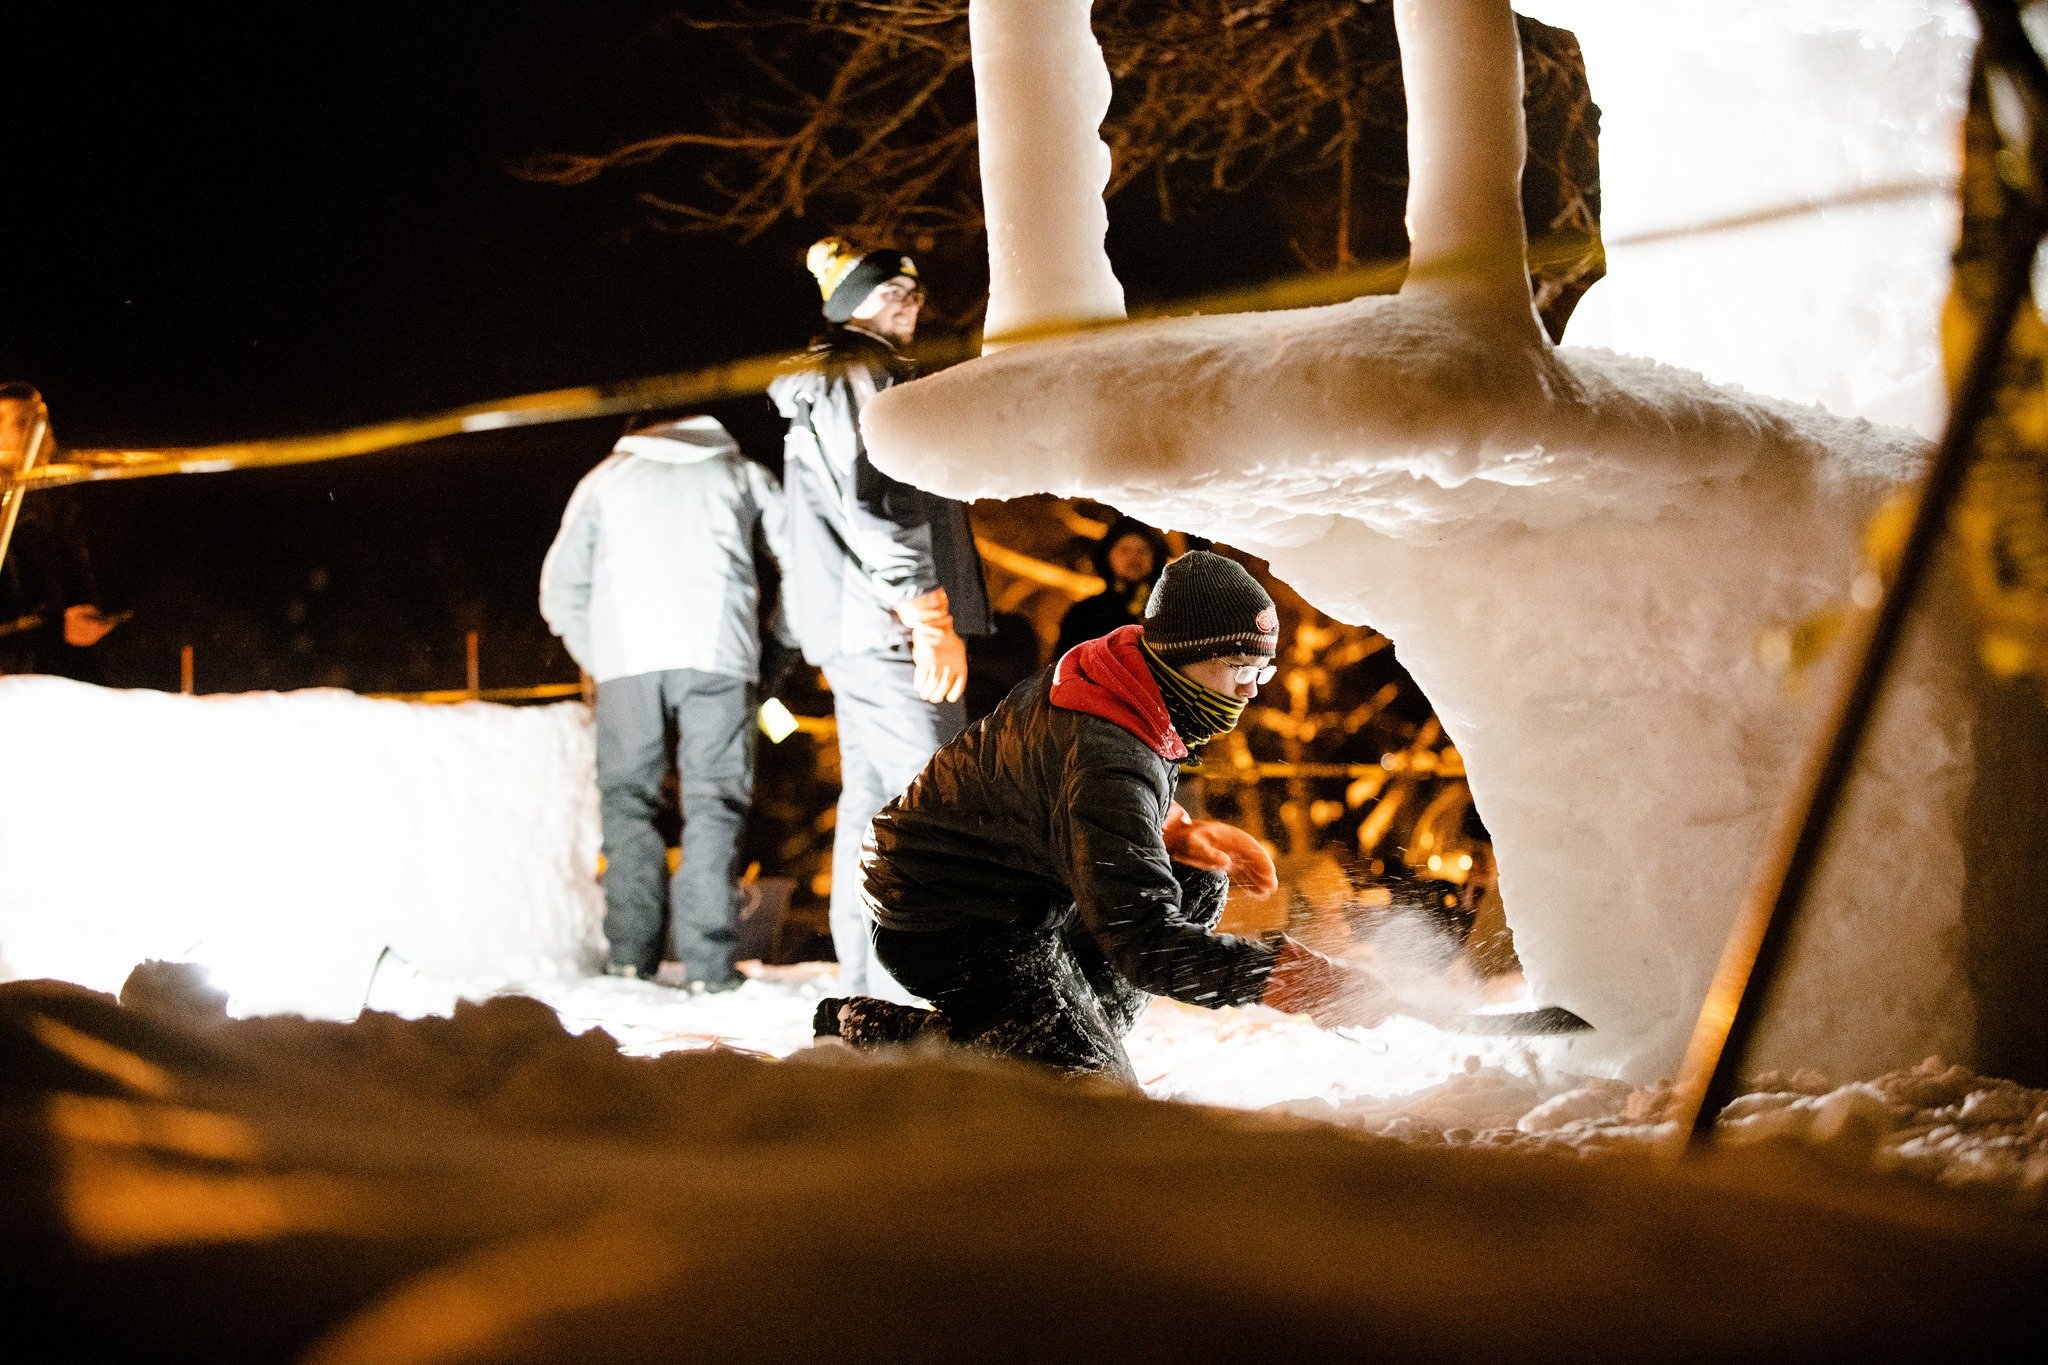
column 1040, row 92
column 1461, row 64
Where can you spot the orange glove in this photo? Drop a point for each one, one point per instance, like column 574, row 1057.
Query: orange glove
column 1218, row 847
column 86, row 626
column 938, row 657
column 1335, row 994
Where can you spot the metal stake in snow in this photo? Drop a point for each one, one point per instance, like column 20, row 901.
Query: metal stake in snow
column 1040, row 91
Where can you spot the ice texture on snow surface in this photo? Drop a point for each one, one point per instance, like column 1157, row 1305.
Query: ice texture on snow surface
column 284, row 839
column 1576, row 552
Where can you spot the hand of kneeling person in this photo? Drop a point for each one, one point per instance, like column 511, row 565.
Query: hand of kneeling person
column 1334, row 993
column 1217, row 847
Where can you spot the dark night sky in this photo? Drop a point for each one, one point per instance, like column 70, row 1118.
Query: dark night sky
column 224, row 223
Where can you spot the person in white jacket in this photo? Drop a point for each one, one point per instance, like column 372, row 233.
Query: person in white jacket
column 651, row 586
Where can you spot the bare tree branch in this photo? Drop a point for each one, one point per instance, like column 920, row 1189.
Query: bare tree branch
column 861, row 113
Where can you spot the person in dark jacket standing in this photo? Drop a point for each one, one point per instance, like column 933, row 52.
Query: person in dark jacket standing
column 1039, row 884
column 883, row 581
column 1128, row 557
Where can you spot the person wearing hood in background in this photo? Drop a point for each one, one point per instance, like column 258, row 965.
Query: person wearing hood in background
column 1128, row 558
column 884, row 581
column 1039, row 884
column 651, row 586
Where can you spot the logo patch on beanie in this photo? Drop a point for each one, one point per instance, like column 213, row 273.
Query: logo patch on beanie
column 1269, row 621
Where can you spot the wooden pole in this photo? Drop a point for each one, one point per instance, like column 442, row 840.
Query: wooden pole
column 474, row 674
column 185, row 670
column 15, row 486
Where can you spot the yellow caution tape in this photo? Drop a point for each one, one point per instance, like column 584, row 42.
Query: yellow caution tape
column 738, row 379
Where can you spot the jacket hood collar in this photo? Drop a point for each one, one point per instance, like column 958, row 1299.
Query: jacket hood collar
column 684, row 441
column 1108, row 679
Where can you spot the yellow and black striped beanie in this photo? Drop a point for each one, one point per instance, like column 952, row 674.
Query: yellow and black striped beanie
column 1205, row 606
column 846, row 275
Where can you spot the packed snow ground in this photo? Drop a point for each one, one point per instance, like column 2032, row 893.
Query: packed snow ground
column 487, row 1187
column 1408, row 1080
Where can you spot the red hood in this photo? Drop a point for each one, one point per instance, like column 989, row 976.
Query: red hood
column 1108, row 679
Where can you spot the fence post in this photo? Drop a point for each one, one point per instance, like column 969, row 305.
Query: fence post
column 185, row 670
column 475, row 674
column 35, row 435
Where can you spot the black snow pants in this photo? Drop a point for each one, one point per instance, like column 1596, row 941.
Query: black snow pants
column 1046, row 994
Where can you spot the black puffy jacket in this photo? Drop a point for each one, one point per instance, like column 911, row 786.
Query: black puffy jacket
column 1039, row 812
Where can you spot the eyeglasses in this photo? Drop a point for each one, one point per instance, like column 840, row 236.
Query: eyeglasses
column 1252, row 673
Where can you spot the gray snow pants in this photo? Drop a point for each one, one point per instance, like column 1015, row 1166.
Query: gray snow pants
column 709, row 718
column 886, row 735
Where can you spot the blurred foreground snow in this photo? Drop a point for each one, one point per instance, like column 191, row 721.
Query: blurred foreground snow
column 1404, row 1080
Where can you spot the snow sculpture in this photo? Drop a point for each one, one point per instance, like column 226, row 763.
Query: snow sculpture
column 1039, row 99
column 282, row 840
column 1576, row 553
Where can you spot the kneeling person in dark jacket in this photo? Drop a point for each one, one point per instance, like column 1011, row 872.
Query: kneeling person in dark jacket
column 1039, row 884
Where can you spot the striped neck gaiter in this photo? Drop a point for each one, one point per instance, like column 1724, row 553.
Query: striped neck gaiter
column 1198, row 714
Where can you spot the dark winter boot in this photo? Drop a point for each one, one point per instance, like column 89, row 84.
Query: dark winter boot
column 865, row 1021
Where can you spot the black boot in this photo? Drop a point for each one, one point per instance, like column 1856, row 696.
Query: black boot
column 865, row 1021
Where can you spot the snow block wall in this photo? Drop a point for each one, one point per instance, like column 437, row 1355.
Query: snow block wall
column 1577, row 553
column 285, row 839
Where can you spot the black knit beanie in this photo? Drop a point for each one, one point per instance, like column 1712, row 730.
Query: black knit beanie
column 1205, row 606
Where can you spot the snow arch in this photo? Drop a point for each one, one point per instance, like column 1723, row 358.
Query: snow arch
column 1575, row 550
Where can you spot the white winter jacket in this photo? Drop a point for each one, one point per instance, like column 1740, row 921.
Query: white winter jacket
column 653, row 568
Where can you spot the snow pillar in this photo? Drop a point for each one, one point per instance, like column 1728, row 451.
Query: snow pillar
column 1461, row 63
column 1040, row 91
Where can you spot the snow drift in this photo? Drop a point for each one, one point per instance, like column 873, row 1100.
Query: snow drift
column 487, row 1188
column 1576, row 552
column 284, row 840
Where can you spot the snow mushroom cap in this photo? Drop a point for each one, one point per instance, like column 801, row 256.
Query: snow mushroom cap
column 1205, row 607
